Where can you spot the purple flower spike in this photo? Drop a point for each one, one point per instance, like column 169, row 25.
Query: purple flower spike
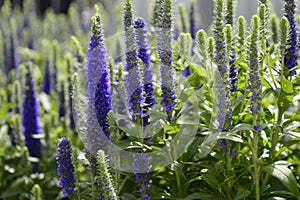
column 31, row 118
column 291, row 53
column 144, row 55
column 99, row 87
column 103, row 102
column 164, row 46
column 133, row 79
column 65, row 168
column 141, row 163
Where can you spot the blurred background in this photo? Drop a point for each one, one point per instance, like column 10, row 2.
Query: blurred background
column 144, row 8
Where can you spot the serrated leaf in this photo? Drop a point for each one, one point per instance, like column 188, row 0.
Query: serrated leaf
column 285, row 176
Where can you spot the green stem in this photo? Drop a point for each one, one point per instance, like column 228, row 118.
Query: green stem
column 229, row 165
column 255, row 144
column 178, row 178
column 77, row 173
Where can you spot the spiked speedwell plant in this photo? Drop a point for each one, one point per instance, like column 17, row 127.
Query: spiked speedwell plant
column 163, row 110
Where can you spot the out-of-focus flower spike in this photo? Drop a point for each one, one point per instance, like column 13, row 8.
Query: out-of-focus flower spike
column 31, row 118
column 103, row 179
column 156, row 12
column 274, row 27
column 202, row 47
column 193, row 28
column 62, row 101
column 241, row 33
column 211, row 48
column 2, row 49
column 75, row 19
column 230, row 12
column 47, row 78
column 183, row 17
column 262, row 13
column 55, row 53
column 6, row 10
column 284, row 23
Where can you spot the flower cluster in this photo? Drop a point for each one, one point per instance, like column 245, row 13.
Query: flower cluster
column 141, row 172
column 221, row 59
column 103, row 179
column 133, row 79
column 103, row 102
column 291, row 53
column 254, row 76
column 99, row 87
column 164, row 46
column 144, row 55
column 65, row 168
column 31, row 118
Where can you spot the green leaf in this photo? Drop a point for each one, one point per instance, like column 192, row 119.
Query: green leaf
column 223, row 135
column 285, row 98
column 242, row 127
column 285, row 176
column 290, row 126
column 201, row 71
column 242, row 194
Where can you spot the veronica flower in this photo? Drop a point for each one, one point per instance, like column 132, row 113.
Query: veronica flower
column 99, row 87
column 231, row 55
column 103, row 180
column 65, row 167
column 103, row 102
column 229, row 17
column 144, row 55
column 291, row 53
column 97, row 57
column 254, row 75
column 141, row 172
column 70, row 92
column 47, row 79
column 164, row 46
column 31, row 118
column 192, row 20
column 133, row 79
column 221, row 59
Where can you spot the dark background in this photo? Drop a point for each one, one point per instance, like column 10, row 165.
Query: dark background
column 59, row 6
column 204, row 15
